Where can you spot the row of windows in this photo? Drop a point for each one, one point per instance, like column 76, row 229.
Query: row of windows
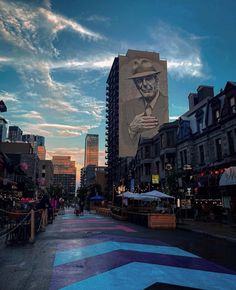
column 215, row 114
column 166, row 140
column 231, row 136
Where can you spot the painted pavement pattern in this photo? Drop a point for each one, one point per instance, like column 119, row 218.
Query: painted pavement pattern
column 115, row 262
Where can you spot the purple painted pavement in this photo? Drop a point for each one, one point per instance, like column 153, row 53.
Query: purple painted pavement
column 101, row 238
column 113, row 228
column 67, row 274
column 79, row 221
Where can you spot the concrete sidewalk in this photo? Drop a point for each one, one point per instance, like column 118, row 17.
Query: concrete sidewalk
column 223, row 231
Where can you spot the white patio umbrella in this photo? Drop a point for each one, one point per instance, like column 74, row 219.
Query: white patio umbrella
column 157, row 194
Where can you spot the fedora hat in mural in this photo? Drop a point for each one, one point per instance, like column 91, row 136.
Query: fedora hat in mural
column 142, row 67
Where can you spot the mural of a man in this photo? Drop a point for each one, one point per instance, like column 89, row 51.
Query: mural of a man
column 143, row 114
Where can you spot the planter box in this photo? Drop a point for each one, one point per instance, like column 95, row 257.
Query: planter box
column 161, row 221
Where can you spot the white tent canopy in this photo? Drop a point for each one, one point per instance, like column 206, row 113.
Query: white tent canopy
column 147, row 196
column 156, row 194
column 131, row 195
column 138, row 196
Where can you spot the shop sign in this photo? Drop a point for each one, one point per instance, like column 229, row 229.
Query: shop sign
column 155, row 179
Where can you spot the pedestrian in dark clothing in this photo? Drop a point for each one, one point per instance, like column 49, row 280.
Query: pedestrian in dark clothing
column 46, row 215
column 81, row 205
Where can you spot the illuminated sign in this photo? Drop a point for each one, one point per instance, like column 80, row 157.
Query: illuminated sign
column 155, row 179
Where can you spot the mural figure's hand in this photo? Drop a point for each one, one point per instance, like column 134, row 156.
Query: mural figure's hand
column 141, row 123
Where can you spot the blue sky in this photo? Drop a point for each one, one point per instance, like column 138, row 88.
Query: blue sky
column 55, row 57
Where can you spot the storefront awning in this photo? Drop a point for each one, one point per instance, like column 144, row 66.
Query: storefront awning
column 228, row 177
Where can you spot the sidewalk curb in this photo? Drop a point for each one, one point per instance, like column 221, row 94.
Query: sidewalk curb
column 207, row 234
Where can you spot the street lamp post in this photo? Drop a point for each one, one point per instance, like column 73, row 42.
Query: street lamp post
column 168, row 169
column 187, row 168
column 113, row 194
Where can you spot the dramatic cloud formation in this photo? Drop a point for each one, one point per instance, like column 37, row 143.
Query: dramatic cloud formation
column 33, row 28
column 180, row 48
column 59, row 23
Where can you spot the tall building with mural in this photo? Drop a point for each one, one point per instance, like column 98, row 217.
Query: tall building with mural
column 91, row 150
column 136, row 105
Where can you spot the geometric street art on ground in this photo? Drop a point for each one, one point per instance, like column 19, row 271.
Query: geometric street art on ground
column 114, row 262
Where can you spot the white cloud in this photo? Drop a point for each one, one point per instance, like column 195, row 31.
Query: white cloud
column 5, row 59
column 188, row 67
column 18, row 25
column 32, row 115
column 181, row 50
column 32, row 94
column 32, row 128
column 102, row 62
column 59, row 23
column 57, row 105
column 69, row 133
column 47, row 94
column 82, row 128
column 173, row 118
column 33, row 28
column 5, row 96
column 56, row 96
column 57, row 130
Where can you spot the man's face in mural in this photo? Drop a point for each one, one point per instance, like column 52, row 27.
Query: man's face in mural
column 148, row 86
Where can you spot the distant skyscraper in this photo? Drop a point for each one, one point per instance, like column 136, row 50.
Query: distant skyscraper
column 39, row 140
column 15, row 134
column 64, row 171
column 41, row 151
column 3, row 129
column 34, row 140
column 91, row 150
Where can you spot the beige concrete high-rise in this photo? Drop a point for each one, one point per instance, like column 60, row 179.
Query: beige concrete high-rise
column 136, row 106
column 91, row 150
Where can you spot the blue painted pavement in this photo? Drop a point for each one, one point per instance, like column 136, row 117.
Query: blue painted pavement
column 137, row 276
column 80, row 253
